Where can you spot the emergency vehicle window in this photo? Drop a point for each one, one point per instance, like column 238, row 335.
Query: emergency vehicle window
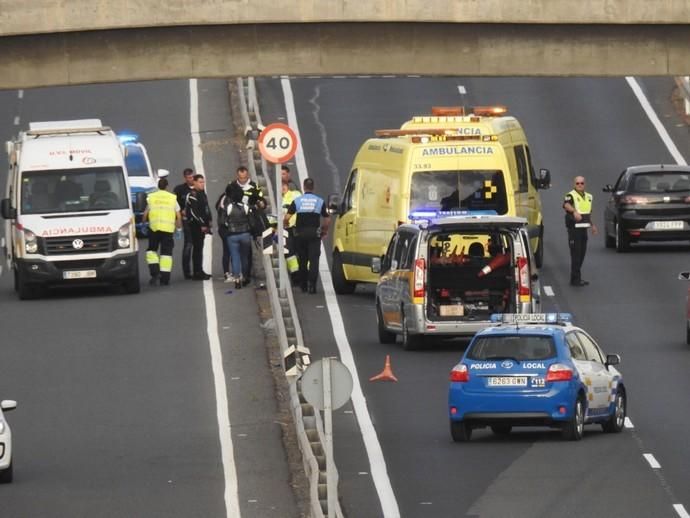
column 458, row 190
column 388, row 258
column 73, row 190
column 519, row 348
column 402, row 248
column 408, row 260
column 530, row 168
column 135, row 161
column 576, row 350
column 591, row 350
column 349, row 197
column 521, row 168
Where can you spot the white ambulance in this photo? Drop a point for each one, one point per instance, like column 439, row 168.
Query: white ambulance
column 68, row 209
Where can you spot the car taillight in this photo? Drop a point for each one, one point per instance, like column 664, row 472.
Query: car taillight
column 629, row 199
column 559, row 372
column 460, row 373
column 419, row 272
column 523, row 276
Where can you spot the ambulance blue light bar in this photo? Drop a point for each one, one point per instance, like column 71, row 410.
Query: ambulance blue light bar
column 128, row 137
column 531, row 318
column 432, row 214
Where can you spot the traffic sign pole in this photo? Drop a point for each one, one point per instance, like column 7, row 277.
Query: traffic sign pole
column 331, row 489
column 278, row 144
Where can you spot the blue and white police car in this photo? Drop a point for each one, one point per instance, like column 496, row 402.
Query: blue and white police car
column 535, row 370
column 142, row 178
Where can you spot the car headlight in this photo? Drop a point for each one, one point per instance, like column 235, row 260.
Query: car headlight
column 30, row 242
column 123, row 239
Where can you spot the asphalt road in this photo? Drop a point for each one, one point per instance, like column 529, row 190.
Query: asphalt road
column 117, row 410
column 634, row 307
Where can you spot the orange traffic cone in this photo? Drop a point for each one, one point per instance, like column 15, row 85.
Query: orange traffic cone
column 386, row 373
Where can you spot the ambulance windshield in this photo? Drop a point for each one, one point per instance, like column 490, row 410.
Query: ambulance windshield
column 458, row 190
column 73, row 190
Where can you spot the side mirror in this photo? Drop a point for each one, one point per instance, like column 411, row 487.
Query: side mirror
column 612, row 359
column 684, row 276
column 6, row 209
column 140, row 202
column 544, row 179
column 333, row 205
column 607, row 188
column 376, row 265
column 8, row 404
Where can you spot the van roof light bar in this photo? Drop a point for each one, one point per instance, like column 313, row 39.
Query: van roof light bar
column 517, row 319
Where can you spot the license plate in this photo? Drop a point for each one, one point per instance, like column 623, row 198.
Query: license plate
column 667, row 225
column 79, row 274
column 508, row 381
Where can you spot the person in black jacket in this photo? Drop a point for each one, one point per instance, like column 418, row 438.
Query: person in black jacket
column 198, row 215
column 239, row 238
column 181, row 191
column 220, row 206
column 253, row 197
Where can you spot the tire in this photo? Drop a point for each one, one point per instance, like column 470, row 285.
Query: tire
column 6, row 475
column 410, row 342
column 26, row 290
column 539, row 252
column 460, row 431
column 501, row 429
column 385, row 336
column 132, row 286
column 616, row 422
column 622, row 241
column 340, row 284
column 609, row 241
column 573, row 429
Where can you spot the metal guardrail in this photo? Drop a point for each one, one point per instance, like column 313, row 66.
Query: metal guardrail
column 683, row 83
column 308, row 422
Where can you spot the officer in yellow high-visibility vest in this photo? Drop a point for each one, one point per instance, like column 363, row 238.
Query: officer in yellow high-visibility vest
column 578, row 220
column 290, row 194
column 164, row 217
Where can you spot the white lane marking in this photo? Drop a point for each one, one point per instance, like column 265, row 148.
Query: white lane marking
column 462, row 90
column 680, row 509
column 232, row 504
column 651, row 460
column 549, row 291
column 628, row 423
column 20, row 94
column 16, row 120
column 382, row 482
column 647, row 107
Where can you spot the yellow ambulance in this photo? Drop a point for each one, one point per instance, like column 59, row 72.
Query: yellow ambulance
column 452, row 160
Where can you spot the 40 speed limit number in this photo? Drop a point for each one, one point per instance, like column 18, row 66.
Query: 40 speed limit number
column 277, row 143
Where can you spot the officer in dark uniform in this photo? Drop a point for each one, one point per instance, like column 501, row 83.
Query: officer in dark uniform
column 578, row 220
column 308, row 232
column 181, row 191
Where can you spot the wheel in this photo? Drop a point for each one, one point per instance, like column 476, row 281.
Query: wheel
column 539, row 253
column 501, row 429
column 6, row 475
column 460, row 431
column 573, row 429
column 340, row 284
column 132, row 285
column 385, row 336
column 25, row 290
column 609, row 241
column 622, row 240
column 617, row 420
column 410, row 342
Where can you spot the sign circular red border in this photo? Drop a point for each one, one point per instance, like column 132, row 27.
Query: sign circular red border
column 270, row 155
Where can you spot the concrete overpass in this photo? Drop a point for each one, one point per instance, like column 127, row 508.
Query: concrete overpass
column 60, row 42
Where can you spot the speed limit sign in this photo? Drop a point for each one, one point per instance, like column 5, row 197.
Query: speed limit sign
column 277, row 143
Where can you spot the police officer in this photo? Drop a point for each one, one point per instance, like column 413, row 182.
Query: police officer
column 163, row 214
column 308, row 233
column 578, row 220
column 182, row 190
column 198, row 215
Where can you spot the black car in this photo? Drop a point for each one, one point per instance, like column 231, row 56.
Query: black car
column 648, row 203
